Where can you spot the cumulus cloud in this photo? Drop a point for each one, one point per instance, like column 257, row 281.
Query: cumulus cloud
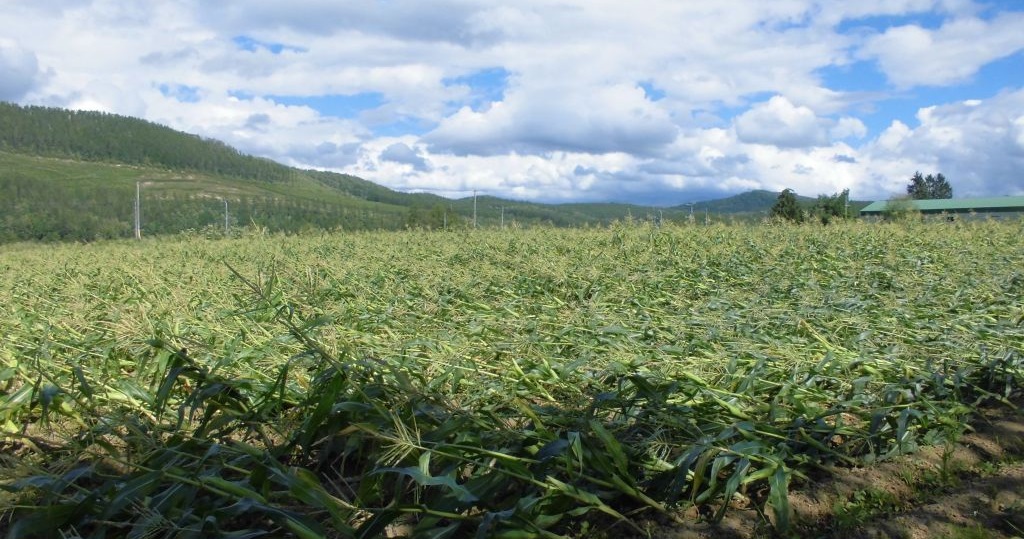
column 441, row 20
column 779, row 122
column 400, row 152
column 661, row 102
column 848, row 127
column 543, row 119
column 976, row 144
column 911, row 55
column 20, row 70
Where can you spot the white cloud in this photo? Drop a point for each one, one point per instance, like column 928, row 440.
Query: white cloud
column 976, row 144
column 1017, row 134
column 743, row 100
column 424, row 22
column 913, row 56
column 544, row 118
column 20, row 70
column 849, row 127
column 891, row 140
column 780, row 123
column 401, row 153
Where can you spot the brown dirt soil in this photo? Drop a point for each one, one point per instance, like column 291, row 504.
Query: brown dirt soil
column 971, row 489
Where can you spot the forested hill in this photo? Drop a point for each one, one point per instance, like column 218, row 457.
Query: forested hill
column 99, row 136
column 72, row 175
column 110, row 138
column 749, row 202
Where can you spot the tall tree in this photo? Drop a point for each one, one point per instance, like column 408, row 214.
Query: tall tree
column 929, row 187
column 787, row 207
column 832, row 207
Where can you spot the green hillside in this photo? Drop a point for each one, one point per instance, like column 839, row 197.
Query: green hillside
column 48, row 198
column 750, row 202
column 72, row 175
column 753, row 205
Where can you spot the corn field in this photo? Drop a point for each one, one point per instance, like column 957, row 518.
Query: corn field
column 486, row 383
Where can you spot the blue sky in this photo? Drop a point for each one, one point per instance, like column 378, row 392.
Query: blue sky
column 656, row 101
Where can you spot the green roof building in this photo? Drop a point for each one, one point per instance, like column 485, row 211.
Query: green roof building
column 953, row 205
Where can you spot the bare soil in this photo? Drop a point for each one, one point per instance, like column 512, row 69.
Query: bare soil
column 970, row 489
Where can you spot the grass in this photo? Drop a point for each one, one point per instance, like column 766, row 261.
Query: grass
column 862, row 506
column 87, row 176
column 490, row 383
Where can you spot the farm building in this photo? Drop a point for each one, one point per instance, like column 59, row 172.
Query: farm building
column 982, row 207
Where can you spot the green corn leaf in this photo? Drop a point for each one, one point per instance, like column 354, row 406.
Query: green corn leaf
column 739, row 473
column 699, row 475
column 426, row 480
column 42, row 522
column 301, row 529
column 131, row 492
column 87, row 391
column 233, row 488
column 613, row 447
column 778, row 497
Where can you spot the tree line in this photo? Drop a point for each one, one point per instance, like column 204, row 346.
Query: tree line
column 826, row 209
column 929, row 187
column 831, row 207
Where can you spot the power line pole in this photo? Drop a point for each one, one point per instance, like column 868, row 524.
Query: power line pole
column 138, row 211
column 225, row 216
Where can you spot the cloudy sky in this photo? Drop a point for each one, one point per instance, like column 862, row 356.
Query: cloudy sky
column 647, row 101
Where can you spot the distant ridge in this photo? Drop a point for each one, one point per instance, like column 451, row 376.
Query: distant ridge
column 99, row 136
column 71, row 176
column 750, row 202
column 755, row 203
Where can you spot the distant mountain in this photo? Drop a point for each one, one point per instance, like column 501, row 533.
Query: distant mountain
column 750, row 202
column 72, row 175
column 754, row 202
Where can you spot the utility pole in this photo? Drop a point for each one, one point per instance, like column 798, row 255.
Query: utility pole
column 503, row 217
column 225, row 216
column 474, row 208
column 138, row 211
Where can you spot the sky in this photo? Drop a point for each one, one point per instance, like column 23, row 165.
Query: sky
column 657, row 102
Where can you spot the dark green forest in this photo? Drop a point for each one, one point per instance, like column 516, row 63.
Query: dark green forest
column 99, row 136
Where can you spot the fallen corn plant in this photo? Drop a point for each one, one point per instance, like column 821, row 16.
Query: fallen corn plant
column 486, row 384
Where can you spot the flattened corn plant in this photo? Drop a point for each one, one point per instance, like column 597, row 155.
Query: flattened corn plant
column 515, row 383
